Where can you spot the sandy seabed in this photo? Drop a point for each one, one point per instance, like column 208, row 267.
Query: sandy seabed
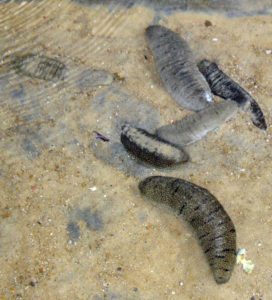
column 73, row 225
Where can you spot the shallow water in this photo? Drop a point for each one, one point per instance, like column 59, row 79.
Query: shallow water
column 73, row 224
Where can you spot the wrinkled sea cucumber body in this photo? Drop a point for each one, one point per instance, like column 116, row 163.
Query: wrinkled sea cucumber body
column 209, row 220
column 39, row 66
column 177, row 68
column 195, row 126
column 224, row 87
column 150, row 148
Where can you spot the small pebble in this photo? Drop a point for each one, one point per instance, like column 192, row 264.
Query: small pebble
column 208, row 23
column 32, row 283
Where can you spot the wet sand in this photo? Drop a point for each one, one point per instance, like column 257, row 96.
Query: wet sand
column 73, row 224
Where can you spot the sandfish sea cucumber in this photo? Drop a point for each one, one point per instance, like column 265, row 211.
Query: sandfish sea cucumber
column 39, row 66
column 224, row 87
column 193, row 127
column 150, row 148
column 197, row 206
column 177, row 68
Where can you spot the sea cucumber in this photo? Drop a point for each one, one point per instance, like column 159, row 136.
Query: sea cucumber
column 193, row 127
column 39, row 66
column 178, row 69
column 150, row 148
column 224, row 87
column 207, row 217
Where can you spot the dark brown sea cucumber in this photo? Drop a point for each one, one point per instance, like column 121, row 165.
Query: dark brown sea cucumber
column 224, row 87
column 197, row 206
column 150, row 148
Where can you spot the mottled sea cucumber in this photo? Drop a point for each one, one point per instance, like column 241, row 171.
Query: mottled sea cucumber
column 224, row 87
column 39, row 66
column 193, row 127
column 178, row 69
column 150, row 148
column 197, row 206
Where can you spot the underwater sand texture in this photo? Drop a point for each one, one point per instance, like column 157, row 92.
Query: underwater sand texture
column 229, row 7
column 73, row 226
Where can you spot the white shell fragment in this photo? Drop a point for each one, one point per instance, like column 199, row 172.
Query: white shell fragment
column 248, row 265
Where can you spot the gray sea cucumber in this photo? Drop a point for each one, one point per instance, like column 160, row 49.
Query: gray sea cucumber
column 39, row 66
column 193, row 127
column 177, row 68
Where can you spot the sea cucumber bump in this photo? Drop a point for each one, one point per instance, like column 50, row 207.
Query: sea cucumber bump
column 209, row 97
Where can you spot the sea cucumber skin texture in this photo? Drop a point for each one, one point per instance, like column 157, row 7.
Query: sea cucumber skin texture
column 195, row 126
column 224, row 87
column 209, row 220
column 150, row 148
column 39, row 66
column 177, row 68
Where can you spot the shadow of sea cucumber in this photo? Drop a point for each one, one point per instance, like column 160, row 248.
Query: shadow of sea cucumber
column 92, row 221
column 113, row 108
